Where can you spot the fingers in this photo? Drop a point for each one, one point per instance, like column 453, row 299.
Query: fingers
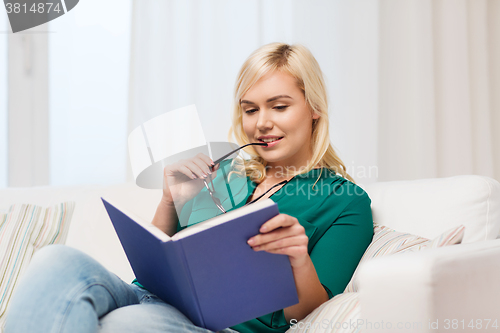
column 281, row 220
column 201, row 164
column 198, row 168
column 291, row 251
column 194, row 168
column 204, row 158
column 186, row 171
column 282, row 234
column 286, row 231
column 281, row 245
column 271, row 236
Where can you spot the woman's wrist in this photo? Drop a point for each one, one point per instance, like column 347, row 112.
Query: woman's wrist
column 170, row 204
column 302, row 264
column 166, row 216
column 309, row 289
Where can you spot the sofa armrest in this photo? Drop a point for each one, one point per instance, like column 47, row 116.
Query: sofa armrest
column 427, row 291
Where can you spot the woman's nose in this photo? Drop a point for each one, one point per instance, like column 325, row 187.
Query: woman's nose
column 264, row 123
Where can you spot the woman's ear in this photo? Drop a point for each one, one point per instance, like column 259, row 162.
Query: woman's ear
column 315, row 118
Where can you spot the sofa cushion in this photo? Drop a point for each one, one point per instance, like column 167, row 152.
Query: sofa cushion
column 24, row 229
column 340, row 314
column 426, row 207
column 388, row 241
column 91, row 230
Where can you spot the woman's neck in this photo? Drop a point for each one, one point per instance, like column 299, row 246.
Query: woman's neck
column 279, row 173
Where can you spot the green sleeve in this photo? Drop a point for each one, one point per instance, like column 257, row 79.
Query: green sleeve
column 338, row 252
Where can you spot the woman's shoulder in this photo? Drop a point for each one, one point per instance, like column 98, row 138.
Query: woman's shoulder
column 342, row 188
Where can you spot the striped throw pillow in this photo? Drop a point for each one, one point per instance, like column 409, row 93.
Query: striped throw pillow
column 24, row 229
column 339, row 314
column 388, row 241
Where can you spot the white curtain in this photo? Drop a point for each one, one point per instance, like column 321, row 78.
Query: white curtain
column 411, row 82
column 439, row 88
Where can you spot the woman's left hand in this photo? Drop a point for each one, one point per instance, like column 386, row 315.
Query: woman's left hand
column 283, row 234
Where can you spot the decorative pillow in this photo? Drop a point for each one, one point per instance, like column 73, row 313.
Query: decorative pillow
column 339, row 314
column 388, row 241
column 24, row 229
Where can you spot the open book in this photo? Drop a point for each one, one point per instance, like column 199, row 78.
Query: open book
column 208, row 271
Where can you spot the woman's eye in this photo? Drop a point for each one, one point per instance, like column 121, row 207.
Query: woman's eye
column 277, row 107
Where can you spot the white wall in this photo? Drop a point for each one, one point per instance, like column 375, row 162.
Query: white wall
column 344, row 39
column 3, row 98
column 88, row 74
column 187, row 52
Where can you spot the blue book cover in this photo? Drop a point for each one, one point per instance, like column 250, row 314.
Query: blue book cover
column 208, row 271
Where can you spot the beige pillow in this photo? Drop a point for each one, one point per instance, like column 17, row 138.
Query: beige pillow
column 24, row 229
column 339, row 314
column 388, row 241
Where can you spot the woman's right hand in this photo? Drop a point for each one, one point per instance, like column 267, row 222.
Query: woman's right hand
column 183, row 180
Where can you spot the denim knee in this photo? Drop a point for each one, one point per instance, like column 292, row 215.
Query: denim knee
column 54, row 253
column 64, row 287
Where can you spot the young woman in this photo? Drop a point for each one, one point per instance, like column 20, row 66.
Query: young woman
column 324, row 225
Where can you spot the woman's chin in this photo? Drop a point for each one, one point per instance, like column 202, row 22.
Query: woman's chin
column 273, row 158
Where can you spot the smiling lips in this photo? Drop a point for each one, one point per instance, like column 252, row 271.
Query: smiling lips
column 271, row 141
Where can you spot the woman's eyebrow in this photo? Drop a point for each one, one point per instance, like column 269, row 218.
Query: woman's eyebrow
column 269, row 100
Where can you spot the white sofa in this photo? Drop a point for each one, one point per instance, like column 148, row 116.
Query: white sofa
column 455, row 283
column 438, row 290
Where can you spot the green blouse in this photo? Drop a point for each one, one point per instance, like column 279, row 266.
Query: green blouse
column 336, row 215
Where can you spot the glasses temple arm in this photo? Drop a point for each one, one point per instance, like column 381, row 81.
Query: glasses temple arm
column 229, row 154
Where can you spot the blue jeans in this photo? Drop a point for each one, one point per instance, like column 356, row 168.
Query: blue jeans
column 65, row 290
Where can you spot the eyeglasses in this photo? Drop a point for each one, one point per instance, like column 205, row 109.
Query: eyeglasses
column 211, row 189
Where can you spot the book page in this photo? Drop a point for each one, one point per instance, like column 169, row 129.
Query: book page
column 242, row 211
column 155, row 231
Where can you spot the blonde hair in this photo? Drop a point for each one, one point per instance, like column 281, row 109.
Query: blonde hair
column 297, row 61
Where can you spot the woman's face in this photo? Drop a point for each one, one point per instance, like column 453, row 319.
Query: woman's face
column 275, row 109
